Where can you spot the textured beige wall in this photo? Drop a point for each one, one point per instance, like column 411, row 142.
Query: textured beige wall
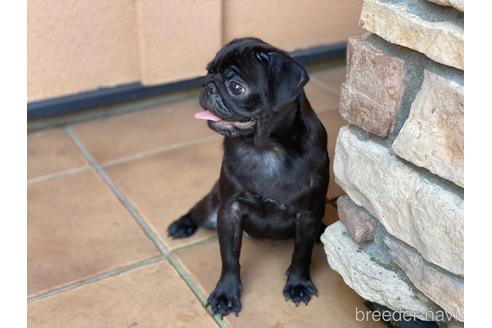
column 177, row 38
column 293, row 24
column 76, row 46
column 82, row 45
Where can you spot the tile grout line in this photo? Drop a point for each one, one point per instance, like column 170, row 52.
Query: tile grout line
column 147, row 230
column 324, row 86
column 51, row 176
column 192, row 245
column 95, row 278
column 194, row 289
column 158, row 151
column 119, row 195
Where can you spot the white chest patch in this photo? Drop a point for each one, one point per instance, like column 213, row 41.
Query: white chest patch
column 271, row 162
column 266, row 163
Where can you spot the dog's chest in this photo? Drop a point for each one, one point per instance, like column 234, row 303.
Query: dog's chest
column 268, row 173
column 269, row 164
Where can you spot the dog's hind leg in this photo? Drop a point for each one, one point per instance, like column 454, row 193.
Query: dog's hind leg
column 203, row 214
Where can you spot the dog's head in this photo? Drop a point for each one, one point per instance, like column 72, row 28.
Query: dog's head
column 249, row 83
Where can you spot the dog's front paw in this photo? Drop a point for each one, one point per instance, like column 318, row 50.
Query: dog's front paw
column 299, row 290
column 182, row 227
column 225, row 298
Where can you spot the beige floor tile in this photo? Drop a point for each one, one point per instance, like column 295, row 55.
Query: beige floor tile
column 263, row 264
column 152, row 296
column 49, row 152
column 319, row 98
column 332, row 77
column 129, row 134
column 165, row 186
column 332, row 122
column 77, row 228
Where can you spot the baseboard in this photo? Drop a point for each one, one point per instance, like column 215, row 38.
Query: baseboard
column 135, row 91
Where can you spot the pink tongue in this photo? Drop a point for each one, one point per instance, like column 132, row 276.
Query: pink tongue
column 206, row 115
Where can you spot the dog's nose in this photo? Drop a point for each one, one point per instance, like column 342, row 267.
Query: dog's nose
column 212, row 89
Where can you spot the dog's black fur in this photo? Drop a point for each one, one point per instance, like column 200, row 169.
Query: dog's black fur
column 274, row 174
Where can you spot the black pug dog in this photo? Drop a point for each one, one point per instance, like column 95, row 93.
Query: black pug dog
column 274, row 174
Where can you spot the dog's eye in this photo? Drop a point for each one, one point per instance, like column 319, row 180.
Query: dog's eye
column 235, row 88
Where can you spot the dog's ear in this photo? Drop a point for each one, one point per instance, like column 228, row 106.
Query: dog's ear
column 287, row 78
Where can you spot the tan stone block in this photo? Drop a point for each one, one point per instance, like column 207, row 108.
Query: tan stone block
column 433, row 135
column 369, row 271
column 458, row 4
column 359, row 223
column 374, row 69
column 371, row 96
column 413, row 205
column 442, row 287
column 177, row 38
column 434, row 31
column 360, row 110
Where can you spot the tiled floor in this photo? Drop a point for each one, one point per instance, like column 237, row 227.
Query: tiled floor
column 100, row 196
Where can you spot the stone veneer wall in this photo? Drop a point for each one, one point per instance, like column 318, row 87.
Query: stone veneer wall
column 399, row 241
